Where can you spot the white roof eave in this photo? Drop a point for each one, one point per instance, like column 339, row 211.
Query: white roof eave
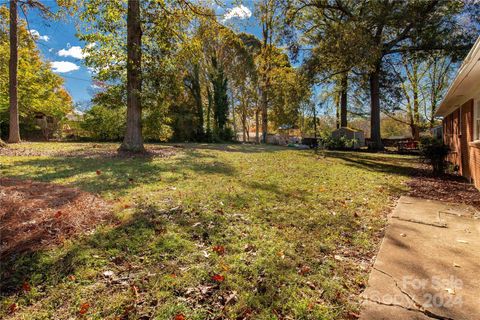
column 465, row 85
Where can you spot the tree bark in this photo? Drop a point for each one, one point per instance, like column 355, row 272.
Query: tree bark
column 343, row 100
column 375, row 135
column 235, row 137
column 133, row 140
column 257, row 124
column 244, row 122
column 415, row 132
column 264, row 114
column 209, row 112
column 14, row 129
column 337, row 111
column 197, row 95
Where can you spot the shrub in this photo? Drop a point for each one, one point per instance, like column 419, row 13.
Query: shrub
column 434, row 152
column 341, row 143
column 156, row 125
column 105, row 124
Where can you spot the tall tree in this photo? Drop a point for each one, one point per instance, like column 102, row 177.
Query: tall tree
column 267, row 12
column 39, row 90
column 133, row 140
column 14, row 125
column 343, row 99
column 380, row 28
column 14, row 132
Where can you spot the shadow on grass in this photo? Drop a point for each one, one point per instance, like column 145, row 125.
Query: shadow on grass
column 386, row 164
column 238, row 147
column 119, row 174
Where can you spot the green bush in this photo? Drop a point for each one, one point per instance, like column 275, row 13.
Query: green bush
column 156, row 125
column 105, row 124
column 434, row 152
column 341, row 143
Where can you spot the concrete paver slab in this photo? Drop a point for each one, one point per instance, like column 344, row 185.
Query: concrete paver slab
column 428, row 265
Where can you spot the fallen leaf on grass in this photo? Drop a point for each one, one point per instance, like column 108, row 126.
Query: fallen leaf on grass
column 134, row 290
column 218, row 278
column 219, row 249
column 12, row 308
column 108, row 273
column 311, row 285
column 179, row 317
column 26, row 287
column 304, row 270
column 225, row 267
column 84, row 308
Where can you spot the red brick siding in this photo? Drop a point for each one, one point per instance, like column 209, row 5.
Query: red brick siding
column 463, row 153
column 466, row 136
column 452, row 137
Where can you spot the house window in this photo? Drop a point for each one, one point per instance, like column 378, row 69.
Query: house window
column 476, row 120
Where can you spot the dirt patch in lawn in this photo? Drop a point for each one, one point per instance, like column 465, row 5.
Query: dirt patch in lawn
column 89, row 150
column 448, row 188
column 37, row 215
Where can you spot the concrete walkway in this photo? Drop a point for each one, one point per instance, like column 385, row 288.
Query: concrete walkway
column 428, row 266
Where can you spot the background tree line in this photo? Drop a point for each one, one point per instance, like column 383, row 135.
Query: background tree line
column 171, row 69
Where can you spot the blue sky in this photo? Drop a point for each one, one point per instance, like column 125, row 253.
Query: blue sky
column 59, row 45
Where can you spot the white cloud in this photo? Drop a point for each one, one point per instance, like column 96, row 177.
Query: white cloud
column 240, row 12
column 74, row 51
column 37, row 35
column 63, row 66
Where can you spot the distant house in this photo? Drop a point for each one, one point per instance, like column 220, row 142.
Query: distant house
column 460, row 110
column 350, row 134
column 71, row 125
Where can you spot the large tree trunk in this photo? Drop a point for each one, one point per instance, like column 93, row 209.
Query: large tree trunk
column 257, row 124
column 197, row 95
column 415, row 131
column 235, row 137
column 432, row 116
column 337, row 111
column 264, row 114
column 375, row 135
column 133, row 140
column 244, row 122
column 14, row 133
column 209, row 112
column 343, row 100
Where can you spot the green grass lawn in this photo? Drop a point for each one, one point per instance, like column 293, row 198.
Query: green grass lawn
column 298, row 233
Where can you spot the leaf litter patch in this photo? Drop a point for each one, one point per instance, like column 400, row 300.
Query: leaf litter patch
column 39, row 215
column 448, row 188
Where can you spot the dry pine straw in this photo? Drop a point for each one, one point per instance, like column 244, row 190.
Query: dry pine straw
column 38, row 215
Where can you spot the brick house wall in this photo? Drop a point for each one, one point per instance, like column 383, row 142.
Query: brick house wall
column 458, row 135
